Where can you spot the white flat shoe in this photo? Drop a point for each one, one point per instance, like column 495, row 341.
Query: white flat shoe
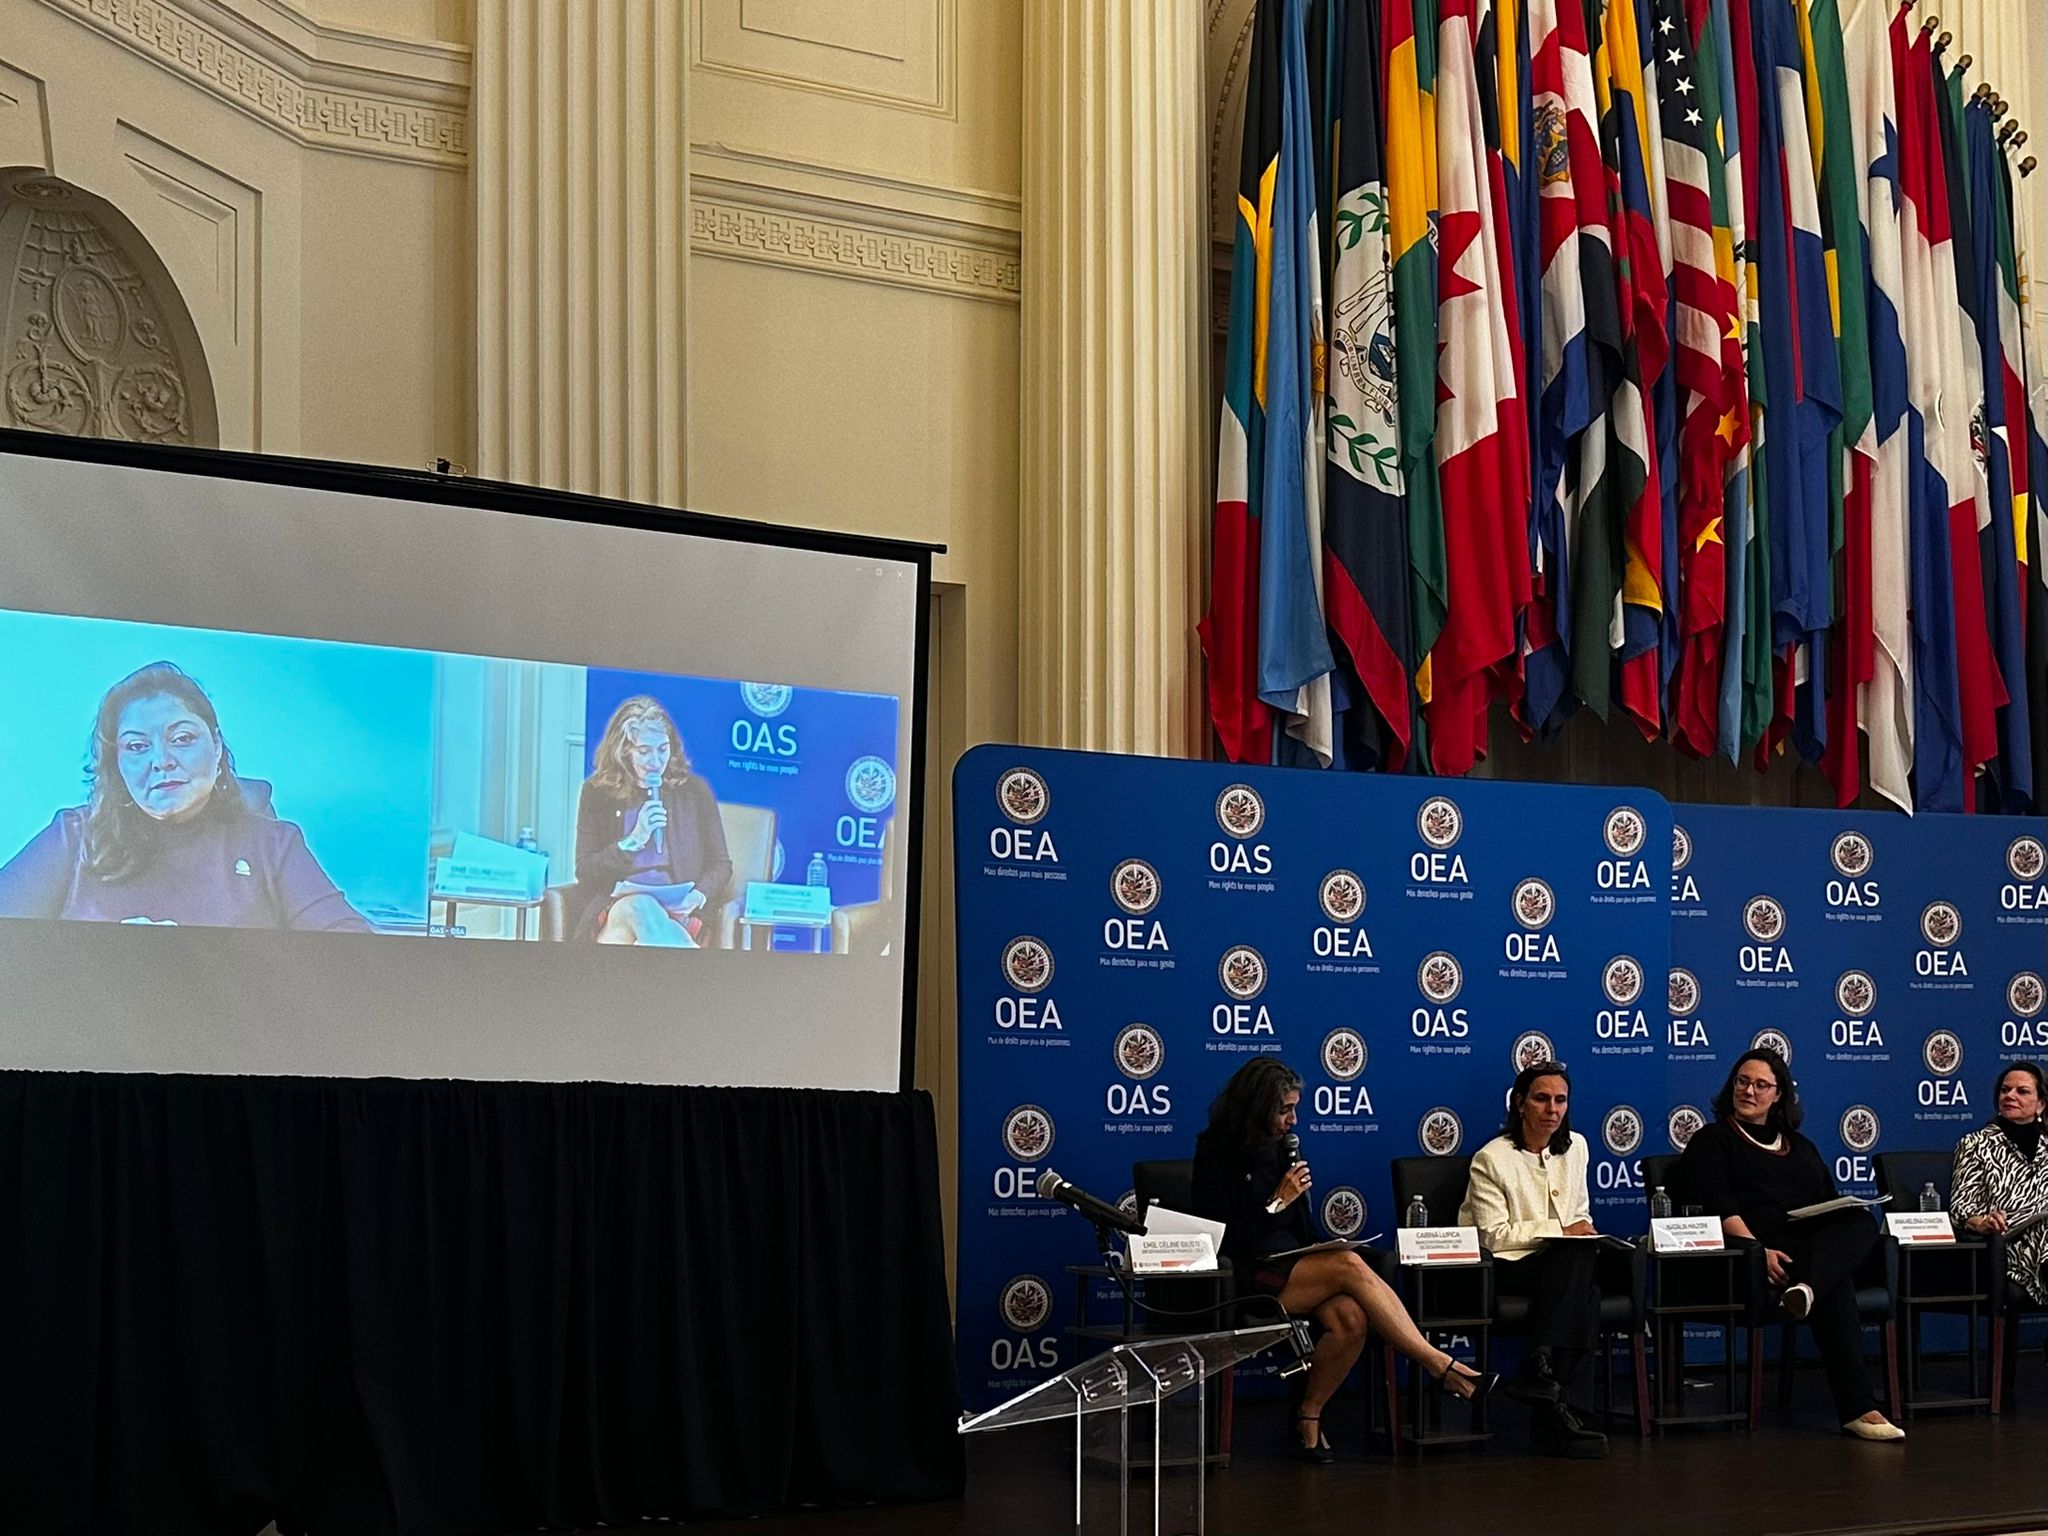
column 1797, row 1300
column 1881, row 1430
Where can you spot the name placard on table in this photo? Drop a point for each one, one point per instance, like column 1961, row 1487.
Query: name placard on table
column 1439, row 1245
column 1172, row 1253
column 1920, row 1227
column 1686, row 1234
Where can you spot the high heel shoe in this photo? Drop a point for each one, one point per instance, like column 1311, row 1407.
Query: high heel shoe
column 1483, row 1382
column 1320, row 1453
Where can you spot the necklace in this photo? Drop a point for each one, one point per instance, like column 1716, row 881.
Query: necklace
column 1774, row 1144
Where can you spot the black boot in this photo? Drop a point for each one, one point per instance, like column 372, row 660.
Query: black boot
column 1556, row 1431
column 1535, row 1381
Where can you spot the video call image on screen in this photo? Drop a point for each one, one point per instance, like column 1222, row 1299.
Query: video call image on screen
column 170, row 776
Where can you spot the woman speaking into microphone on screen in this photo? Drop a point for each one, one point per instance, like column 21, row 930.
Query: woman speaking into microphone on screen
column 650, row 848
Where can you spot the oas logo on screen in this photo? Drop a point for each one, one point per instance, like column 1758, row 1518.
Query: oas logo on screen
column 1855, row 994
column 2025, row 994
column 1343, row 1054
column 1022, row 796
column 1681, row 848
column 1027, row 1133
column 2026, row 858
column 1439, row 822
column 1941, row 924
column 1942, row 1053
column 1852, row 854
column 1441, row 1132
column 1440, row 977
column 1622, row 1130
column 1341, row 895
column 1624, row 831
column 1140, row 1052
column 1859, row 1128
column 870, row 785
column 1682, row 992
column 1764, row 918
column 766, row 699
column 1027, row 964
column 1622, row 981
column 1773, row 1040
column 1682, row 1124
column 1533, row 903
column 1343, row 1212
column 1242, row 970
column 1026, row 1303
column 1239, row 811
column 1531, row 1047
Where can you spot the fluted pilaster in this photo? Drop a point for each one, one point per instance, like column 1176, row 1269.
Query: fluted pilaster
column 1114, row 456
column 582, row 212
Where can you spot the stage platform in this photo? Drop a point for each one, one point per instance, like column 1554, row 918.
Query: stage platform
column 1956, row 1475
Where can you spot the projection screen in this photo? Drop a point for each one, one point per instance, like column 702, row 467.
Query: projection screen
column 288, row 738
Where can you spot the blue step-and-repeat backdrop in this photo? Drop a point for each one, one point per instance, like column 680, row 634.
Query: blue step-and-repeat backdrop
column 1130, row 930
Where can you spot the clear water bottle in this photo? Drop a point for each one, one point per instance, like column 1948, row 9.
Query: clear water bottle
column 1418, row 1213
column 528, row 841
column 1660, row 1203
column 816, row 874
column 1930, row 1197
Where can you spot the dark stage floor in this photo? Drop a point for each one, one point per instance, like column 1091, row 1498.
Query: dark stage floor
column 1954, row 1474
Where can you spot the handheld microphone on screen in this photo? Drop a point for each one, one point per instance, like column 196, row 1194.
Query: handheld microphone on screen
column 653, row 782
column 1290, row 1151
column 1052, row 1187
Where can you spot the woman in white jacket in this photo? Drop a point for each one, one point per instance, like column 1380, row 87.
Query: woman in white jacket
column 1528, row 1190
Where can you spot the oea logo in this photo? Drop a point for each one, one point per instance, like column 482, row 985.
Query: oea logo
column 1022, row 796
column 1439, row 823
column 1240, row 813
column 1025, row 1306
column 1852, row 854
column 1028, row 968
column 1341, row 895
column 1139, row 1052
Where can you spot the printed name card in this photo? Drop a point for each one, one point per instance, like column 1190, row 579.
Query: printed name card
column 1175, row 1253
column 1439, row 1245
column 1686, row 1234
column 1920, row 1226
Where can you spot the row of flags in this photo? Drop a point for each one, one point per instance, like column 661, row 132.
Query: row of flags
column 1661, row 358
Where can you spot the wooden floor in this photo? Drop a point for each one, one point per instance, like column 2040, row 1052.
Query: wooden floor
column 1799, row 1476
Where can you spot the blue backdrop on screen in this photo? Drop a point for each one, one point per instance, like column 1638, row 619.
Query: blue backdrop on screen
column 823, row 761
column 1131, row 930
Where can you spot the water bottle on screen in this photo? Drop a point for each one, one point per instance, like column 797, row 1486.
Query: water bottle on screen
column 816, row 874
column 1418, row 1213
column 1660, row 1203
column 1930, row 1197
column 528, row 843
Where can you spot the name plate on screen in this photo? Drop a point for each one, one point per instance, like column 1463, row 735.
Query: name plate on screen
column 1920, row 1226
column 1686, row 1234
column 1173, row 1253
column 771, row 903
column 1439, row 1245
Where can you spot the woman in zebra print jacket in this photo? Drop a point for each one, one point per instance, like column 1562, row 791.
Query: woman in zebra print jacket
column 2001, row 1177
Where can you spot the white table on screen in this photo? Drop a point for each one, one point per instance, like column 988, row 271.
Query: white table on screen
column 821, row 932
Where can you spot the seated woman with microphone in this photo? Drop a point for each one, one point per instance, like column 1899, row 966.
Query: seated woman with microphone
column 1751, row 1167
column 2001, row 1175
column 1529, row 1184
column 1248, row 1176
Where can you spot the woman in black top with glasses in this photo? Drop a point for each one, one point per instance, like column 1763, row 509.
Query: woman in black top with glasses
column 1752, row 1168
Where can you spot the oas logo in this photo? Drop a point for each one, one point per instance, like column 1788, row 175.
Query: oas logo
column 1027, row 964
column 1622, row 981
column 1764, row 919
column 1026, row 1304
column 1855, row 994
column 1242, row 972
column 2024, row 995
column 1240, row 811
column 1343, row 1054
column 1440, row 976
column 870, row 785
column 1027, row 1133
column 1859, row 1128
column 1531, row 1048
column 1941, row 924
column 1852, row 854
column 1022, row 796
column 1622, row 1130
column 1343, row 1212
column 1624, row 831
column 1682, row 993
column 1441, row 1132
column 1127, row 1202
column 1135, row 885
column 1440, row 823
column 1682, row 1124
column 1681, row 848
column 2026, row 858
column 1773, row 1040
column 1533, row 903
column 766, row 699
column 1342, row 895
column 1942, row 1052
column 1139, row 1051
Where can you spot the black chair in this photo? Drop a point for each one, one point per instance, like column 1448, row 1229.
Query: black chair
column 1620, row 1275
column 1877, row 1289
column 1950, row 1276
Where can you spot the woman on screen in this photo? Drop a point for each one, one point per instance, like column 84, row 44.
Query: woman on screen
column 1249, row 1176
column 2000, row 1178
column 1752, row 1169
column 646, row 821
column 170, row 833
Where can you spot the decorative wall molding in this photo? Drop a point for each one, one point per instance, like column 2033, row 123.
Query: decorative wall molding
column 798, row 49
column 323, row 86
column 856, row 224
